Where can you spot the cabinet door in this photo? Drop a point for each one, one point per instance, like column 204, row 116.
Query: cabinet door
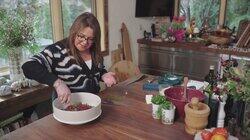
column 156, row 60
column 181, row 62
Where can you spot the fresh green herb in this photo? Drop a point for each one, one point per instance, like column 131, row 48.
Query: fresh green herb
column 162, row 102
column 167, row 105
column 158, row 99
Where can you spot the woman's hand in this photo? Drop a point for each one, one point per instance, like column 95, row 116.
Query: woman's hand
column 109, row 79
column 62, row 91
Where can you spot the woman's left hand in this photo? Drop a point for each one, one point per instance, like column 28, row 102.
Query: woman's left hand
column 109, row 79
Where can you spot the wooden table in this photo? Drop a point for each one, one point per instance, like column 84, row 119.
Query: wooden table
column 128, row 117
column 12, row 104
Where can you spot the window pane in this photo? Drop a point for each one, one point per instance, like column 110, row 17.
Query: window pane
column 40, row 11
column 71, row 9
column 236, row 11
column 200, row 10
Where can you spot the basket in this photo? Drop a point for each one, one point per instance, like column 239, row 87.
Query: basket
column 220, row 38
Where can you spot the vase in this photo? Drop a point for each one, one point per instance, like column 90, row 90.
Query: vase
column 155, row 109
column 15, row 62
column 245, row 129
column 213, row 105
column 168, row 115
column 237, row 111
column 179, row 35
column 221, row 114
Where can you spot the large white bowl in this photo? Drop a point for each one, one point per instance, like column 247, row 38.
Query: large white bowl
column 78, row 117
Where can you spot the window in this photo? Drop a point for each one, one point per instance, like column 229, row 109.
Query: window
column 200, row 10
column 71, row 9
column 53, row 25
column 219, row 12
column 40, row 11
column 236, row 10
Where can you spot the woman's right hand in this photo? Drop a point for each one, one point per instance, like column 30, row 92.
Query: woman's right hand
column 62, row 91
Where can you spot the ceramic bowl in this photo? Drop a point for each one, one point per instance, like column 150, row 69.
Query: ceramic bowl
column 78, row 117
column 175, row 95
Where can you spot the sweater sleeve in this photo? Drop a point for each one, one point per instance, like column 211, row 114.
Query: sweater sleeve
column 39, row 67
column 102, row 70
column 34, row 70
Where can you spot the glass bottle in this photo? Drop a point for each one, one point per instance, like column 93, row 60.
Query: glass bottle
column 211, row 77
column 212, row 103
column 232, row 126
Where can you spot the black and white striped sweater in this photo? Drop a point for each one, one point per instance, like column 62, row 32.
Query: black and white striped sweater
column 54, row 62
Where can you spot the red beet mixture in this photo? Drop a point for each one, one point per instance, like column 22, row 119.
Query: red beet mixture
column 78, row 107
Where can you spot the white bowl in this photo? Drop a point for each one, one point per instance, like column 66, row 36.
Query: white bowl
column 78, row 117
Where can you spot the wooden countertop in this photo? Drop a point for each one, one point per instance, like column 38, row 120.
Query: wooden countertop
column 12, row 104
column 195, row 47
column 128, row 117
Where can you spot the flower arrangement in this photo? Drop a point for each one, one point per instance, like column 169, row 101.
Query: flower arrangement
column 235, row 81
column 16, row 30
column 177, row 28
column 238, row 81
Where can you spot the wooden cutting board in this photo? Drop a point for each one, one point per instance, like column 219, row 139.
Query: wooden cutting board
column 126, row 43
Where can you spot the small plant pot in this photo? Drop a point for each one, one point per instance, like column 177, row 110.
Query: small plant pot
column 168, row 116
column 155, row 108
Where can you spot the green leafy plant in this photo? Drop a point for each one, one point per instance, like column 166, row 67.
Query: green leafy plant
column 16, row 30
column 158, row 99
column 167, row 105
column 162, row 102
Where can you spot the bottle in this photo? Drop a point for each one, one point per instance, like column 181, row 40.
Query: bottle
column 212, row 103
column 232, row 126
column 211, row 77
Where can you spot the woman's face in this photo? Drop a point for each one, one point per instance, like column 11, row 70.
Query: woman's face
column 84, row 39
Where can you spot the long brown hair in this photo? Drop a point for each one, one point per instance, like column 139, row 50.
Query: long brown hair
column 82, row 21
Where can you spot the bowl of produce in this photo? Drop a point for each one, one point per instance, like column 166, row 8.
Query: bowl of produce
column 84, row 107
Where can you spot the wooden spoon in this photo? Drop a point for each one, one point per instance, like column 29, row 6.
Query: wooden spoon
column 185, row 82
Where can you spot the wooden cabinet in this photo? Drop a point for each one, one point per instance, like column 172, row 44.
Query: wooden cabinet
column 156, row 60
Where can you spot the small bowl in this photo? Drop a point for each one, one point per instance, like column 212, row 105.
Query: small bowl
column 78, row 117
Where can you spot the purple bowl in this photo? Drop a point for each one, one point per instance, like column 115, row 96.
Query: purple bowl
column 175, row 95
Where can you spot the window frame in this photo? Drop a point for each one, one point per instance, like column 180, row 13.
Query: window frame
column 99, row 9
column 57, row 24
column 222, row 11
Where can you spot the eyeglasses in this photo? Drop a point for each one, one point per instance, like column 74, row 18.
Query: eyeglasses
column 82, row 37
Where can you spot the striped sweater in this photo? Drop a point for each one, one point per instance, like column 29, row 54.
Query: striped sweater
column 54, row 62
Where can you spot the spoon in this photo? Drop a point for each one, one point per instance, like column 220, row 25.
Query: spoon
column 185, row 82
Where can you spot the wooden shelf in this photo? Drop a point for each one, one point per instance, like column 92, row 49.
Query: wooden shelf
column 195, row 47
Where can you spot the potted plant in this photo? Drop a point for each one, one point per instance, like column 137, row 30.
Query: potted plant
column 16, row 32
column 168, row 112
column 157, row 100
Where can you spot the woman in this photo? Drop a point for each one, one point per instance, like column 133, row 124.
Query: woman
column 73, row 64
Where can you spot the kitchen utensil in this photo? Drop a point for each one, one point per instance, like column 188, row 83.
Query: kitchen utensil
column 196, row 116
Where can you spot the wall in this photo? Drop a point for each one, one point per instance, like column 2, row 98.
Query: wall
column 124, row 11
